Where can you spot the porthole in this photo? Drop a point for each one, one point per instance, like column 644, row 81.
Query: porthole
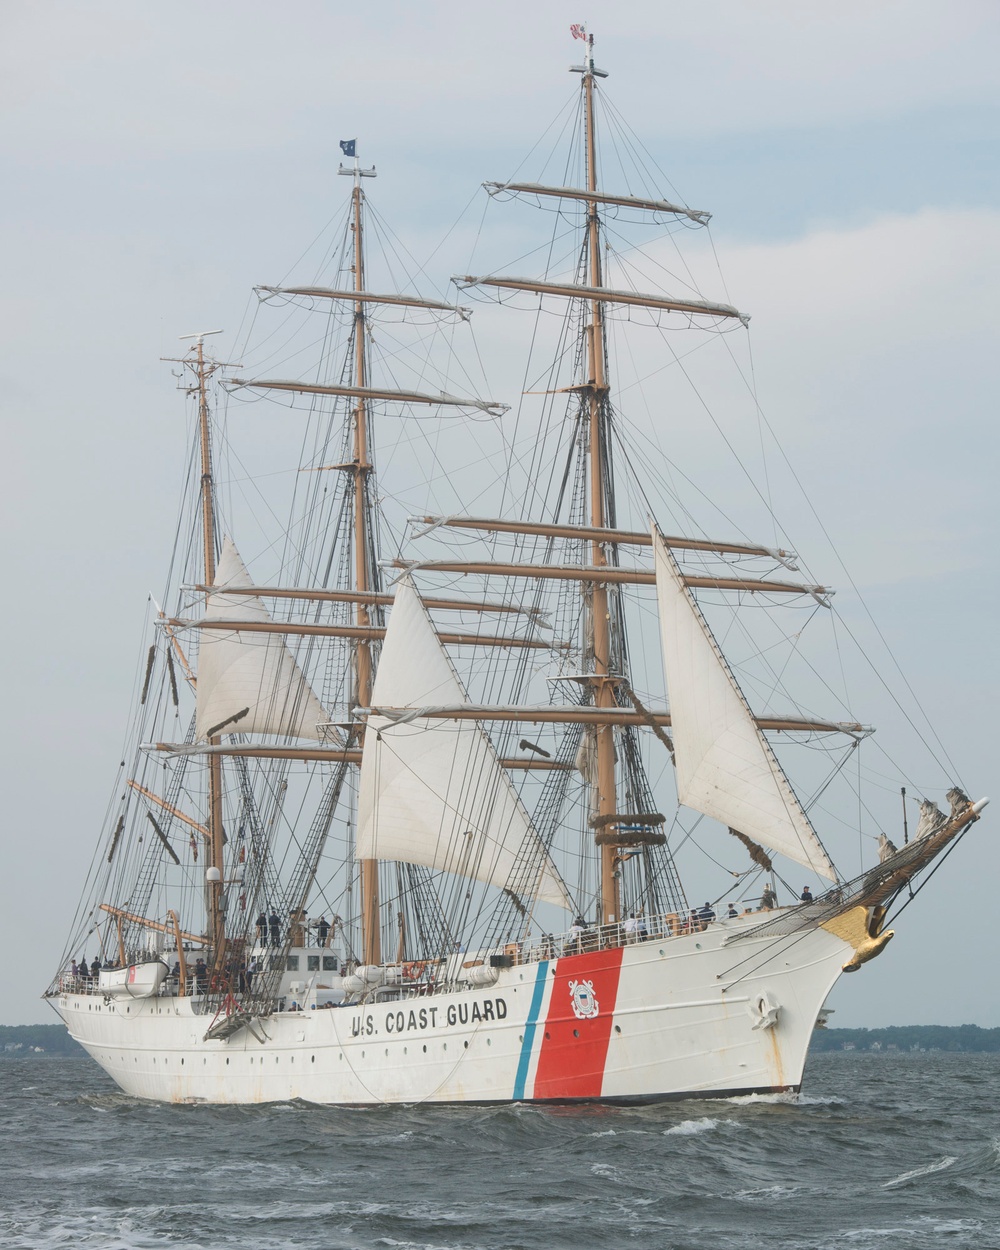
column 489, row 1041
column 548, row 1035
column 227, row 1061
column 313, row 1059
column 576, row 1032
column 618, row 1028
column 425, row 1050
column 466, row 1045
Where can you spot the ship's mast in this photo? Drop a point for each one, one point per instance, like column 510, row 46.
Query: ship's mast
column 361, row 467
column 216, row 841
column 597, row 390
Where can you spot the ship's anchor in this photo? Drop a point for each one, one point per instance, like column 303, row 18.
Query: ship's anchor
column 763, row 1010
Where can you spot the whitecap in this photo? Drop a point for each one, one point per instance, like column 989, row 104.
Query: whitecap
column 749, row 1100
column 855, row 1234
column 781, row 1099
column 926, row 1170
column 769, row 1193
column 687, row 1128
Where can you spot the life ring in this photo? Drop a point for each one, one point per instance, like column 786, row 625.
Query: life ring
column 413, row 971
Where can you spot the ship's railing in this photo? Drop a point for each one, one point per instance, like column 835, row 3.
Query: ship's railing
column 588, row 939
column 67, row 983
column 657, row 927
column 591, row 938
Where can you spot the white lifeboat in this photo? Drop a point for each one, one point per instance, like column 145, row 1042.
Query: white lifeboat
column 135, row 981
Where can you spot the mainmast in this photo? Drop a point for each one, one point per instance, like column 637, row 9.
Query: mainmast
column 361, row 468
column 596, row 398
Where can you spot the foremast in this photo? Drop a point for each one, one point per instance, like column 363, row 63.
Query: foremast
column 371, row 938
column 619, row 809
column 604, row 804
column 203, row 368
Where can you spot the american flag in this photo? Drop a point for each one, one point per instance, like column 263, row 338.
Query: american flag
column 578, row 30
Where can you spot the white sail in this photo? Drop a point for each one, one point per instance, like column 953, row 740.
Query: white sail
column 725, row 767
column 252, row 671
column 434, row 792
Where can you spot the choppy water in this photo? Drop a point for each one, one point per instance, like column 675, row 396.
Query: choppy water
column 882, row 1151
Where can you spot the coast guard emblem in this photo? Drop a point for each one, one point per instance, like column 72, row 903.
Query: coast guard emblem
column 585, row 1005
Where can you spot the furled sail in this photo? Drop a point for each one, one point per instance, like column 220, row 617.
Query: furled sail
column 434, row 792
column 725, row 767
column 251, row 672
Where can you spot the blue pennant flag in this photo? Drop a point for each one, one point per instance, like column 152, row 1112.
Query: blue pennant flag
column 347, row 146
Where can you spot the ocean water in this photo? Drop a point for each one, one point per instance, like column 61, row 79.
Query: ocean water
column 881, row 1151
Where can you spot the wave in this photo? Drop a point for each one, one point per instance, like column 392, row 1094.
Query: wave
column 689, row 1128
column 928, row 1169
column 768, row 1193
column 790, row 1098
column 750, row 1100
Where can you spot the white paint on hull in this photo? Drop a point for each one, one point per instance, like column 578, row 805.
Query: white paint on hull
column 679, row 1023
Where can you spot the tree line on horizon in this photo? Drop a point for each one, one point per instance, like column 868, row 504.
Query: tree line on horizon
column 964, row 1038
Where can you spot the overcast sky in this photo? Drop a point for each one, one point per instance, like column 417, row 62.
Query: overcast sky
column 158, row 161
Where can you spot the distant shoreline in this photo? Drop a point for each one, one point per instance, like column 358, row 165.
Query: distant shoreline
column 905, row 1038
column 38, row 1041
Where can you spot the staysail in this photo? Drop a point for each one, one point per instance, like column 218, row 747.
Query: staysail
column 434, row 792
column 725, row 767
column 252, row 671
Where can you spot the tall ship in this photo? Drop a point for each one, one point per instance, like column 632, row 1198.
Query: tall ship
column 426, row 741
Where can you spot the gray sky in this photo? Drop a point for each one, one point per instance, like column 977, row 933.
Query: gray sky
column 160, row 160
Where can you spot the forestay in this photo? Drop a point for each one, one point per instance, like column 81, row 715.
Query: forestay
column 725, row 767
column 434, row 792
column 255, row 671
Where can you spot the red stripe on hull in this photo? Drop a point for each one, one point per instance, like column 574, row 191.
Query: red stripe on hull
column 575, row 1042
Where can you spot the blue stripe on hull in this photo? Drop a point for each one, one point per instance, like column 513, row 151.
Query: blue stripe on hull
column 529, row 1030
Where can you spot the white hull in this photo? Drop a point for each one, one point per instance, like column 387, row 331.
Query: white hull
column 654, row 1022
